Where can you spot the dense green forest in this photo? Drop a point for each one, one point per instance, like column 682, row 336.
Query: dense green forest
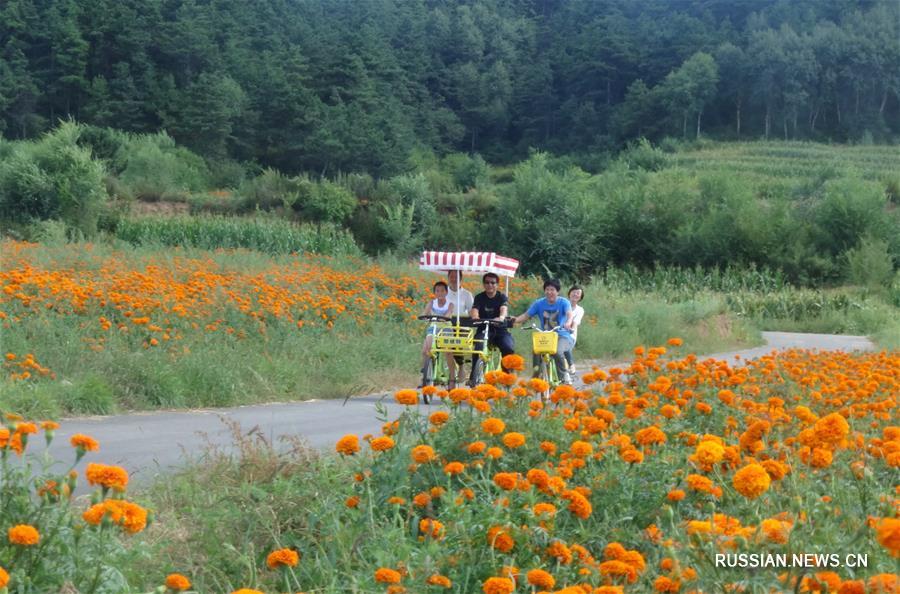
column 328, row 86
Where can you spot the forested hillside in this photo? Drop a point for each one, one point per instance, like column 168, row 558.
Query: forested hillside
column 335, row 85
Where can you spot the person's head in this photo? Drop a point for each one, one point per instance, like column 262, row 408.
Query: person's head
column 551, row 289
column 491, row 283
column 453, row 279
column 576, row 295
column 440, row 290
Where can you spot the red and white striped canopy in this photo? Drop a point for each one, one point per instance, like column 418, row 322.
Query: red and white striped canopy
column 468, row 262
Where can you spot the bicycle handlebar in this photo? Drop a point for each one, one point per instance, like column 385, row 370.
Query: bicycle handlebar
column 435, row 318
column 533, row 327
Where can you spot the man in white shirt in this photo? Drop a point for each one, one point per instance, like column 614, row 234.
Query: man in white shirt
column 460, row 298
column 462, row 304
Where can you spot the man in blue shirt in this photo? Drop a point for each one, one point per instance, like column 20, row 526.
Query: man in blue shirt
column 552, row 311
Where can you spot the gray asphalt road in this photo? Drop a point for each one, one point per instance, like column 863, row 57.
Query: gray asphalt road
column 148, row 444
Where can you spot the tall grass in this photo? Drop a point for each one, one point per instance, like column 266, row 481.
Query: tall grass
column 263, row 234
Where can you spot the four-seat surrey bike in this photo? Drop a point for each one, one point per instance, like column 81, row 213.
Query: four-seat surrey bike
column 457, row 338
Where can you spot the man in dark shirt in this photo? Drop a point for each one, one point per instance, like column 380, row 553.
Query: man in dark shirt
column 491, row 304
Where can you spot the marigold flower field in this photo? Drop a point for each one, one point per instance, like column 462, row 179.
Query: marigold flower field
column 633, row 484
column 146, row 328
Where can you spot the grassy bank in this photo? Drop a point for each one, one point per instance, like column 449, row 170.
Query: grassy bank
column 114, row 327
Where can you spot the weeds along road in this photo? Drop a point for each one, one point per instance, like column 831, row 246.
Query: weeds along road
column 149, row 444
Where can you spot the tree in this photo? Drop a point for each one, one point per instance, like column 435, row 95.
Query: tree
column 208, row 109
column 690, row 88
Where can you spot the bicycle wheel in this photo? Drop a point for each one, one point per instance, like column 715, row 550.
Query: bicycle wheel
column 427, row 378
column 477, row 375
column 544, row 373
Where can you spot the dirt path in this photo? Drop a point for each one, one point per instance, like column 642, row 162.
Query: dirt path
column 148, row 444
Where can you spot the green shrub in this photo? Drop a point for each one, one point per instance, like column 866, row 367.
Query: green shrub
column 870, row 264
column 327, row 202
column 155, row 168
column 643, row 155
column 53, row 177
column 466, row 171
column 271, row 189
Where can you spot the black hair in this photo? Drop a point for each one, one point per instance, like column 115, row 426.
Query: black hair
column 552, row 282
column 576, row 288
column 440, row 284
column 488, row 275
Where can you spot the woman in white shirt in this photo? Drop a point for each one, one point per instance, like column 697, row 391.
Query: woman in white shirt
column 576, row 294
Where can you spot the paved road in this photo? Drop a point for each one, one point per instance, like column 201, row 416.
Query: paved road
column 148, row 444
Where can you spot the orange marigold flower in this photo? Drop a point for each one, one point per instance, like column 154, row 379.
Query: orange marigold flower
column 84, row 442
column 609, row 590
column 538, row 478
column 347, row 445
column 386, row 575
column 352, row 502
column 675, row 495
column 544, row 509
column 421, row 499
column 675, row 342
column 650, row 435
column 513, row 440
column 751, row 481
column 476, row 447
column 709, row 453
column 618, row 569
column 548, row 447
column 109, row 477
column 852, row 587
column 581, row 449
column 247, row 591
column 422, row 454
column 381, row 444
column 665, row 584
column 632, row 456
column 494, row 453
column 129, row 516
column 500, row 539
column 884, row 583
column 453, row 468
column 439, row 418
column 888, row 535
column 177, row 582
column 559, row 550
column 407, row 397
column 496, row 585
column 540, row 578
column 431, row 527
column 439, row 580
column 24, row 535
column 775, row 530
column 513, row 362
column 493, row 426
column 26, row 428
column 4, row 578
column 578, row 504
column 538, row 385
column 831, row 429
column 506, row 480
column 49, row 425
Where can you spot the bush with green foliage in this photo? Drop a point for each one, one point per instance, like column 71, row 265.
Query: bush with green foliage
column 153, row 167
column 53, row 178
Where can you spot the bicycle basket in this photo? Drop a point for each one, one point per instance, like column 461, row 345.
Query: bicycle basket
column 544, row 343
column 455, row 339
